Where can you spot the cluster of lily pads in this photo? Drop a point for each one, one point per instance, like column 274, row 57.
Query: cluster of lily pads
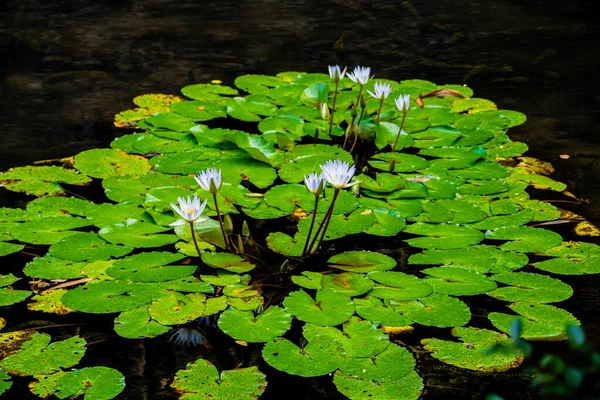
column 438, row 177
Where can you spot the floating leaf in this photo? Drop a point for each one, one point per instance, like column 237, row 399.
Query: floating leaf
column 135, row 233
column 435, row 310
column 102, row 163
column 456, row 281
column 525, row 239
column 177, row 308
column 49, row 301
column 361, row 261
column 48, row 230
column 329, row 308
column 538, row 321
column 5, row 382
column 9, row 248
column 150, row 267
column 98, row 383
column 38, row 356
column 525, row 286
column 472, row 352
column 201, row 379
column 408, row 387
column 398, row 286
column 266, row 326
column 226, row 261
column 574, row 258
column 443, row 236
column 41, row 181
column 106, row 297
column 348, row 283
column 378, row 312
column 137, row 323
column 86, row 246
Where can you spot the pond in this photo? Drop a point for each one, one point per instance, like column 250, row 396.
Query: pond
column 392, row 276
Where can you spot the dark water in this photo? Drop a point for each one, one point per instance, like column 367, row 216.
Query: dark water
column 68, row 66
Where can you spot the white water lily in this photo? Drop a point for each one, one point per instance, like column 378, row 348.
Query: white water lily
column 335, row 73
column 210, row 180
column 190, row 210
column 360, row 75
column 382, row 91
column 314, row 183
column 403, row 103
column 338, row 173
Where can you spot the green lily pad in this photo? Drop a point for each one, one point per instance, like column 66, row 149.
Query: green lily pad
column 38, row 357
column 455, row 281
column 361, row 261
column 266, row 326
column 201, row 379
column 472, row 352
column 102, row 163
column 177, row 308
column 48, row 230
column 49, row 267
column 435, row 310
column 57, row 205
column 226, row 261
column 106, row 297
column 258, row 83
column 202, row 91
column 309, row 280
column 150, row 267
column 9, row 296
column 98, row 383
column 200, row 110
column 86, row 246
column 408, row 387
column 10, row 248
column 535, row 288
column 49, row 301
column 283, row 244
column 135, row 233
column 361, row 339
column 398, row 286
column 443, row 236
column 348, row 283
column 389, row 365
column 538, row 321
column 137, row 323
column 41, row 181
column 525, row 239
column 319, row 357
column 5, row 382
column 573, row 258
column 329, row 309
column 378, row 312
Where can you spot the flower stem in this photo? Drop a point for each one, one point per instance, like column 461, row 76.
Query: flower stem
column 325, row 221
column 379, row 110
column 362, row 113
column 399, row 132
column 194, row 239
column 335, row 194
column 312, row 224
column 225, row 238
column 359, row 96
column 333, row 107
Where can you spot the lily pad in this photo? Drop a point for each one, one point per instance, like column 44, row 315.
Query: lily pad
column 48, row 230
column 137, row 323
column 49, row 301
column 39, row 357
column 329, row 309
column 525, row 239
column 525, row 286
column 443, row 236
column 398, row 286
column 573, row 258
column 135, row 233
column 538, row 321
column 408, row 387
column 455, row 281
column 41, row 181
column 150, row 267
column 266, row 326
column 348, row 283
column 87, row 246
column 226, row 261
column 435, row 310
column 102, row 163
column 201, row 379
column 106, row 297
column 471, row 353
column 98, row 383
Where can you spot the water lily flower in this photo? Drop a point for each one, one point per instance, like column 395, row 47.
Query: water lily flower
column 210, row 180
column 403, row 103
column 187, row 336
column 338, row 173
column 360, row 75
column 314, row 183
column 382, row 91
column 336, row 74
column 190, row 210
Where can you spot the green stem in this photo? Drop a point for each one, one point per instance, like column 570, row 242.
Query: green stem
column 225, row 238
column 359, row 96
column 312, row 224
column 399, row 132
column 194, row 239
column 333, row 107
column 362, row 113
column 328, row 218
column 379, row 110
